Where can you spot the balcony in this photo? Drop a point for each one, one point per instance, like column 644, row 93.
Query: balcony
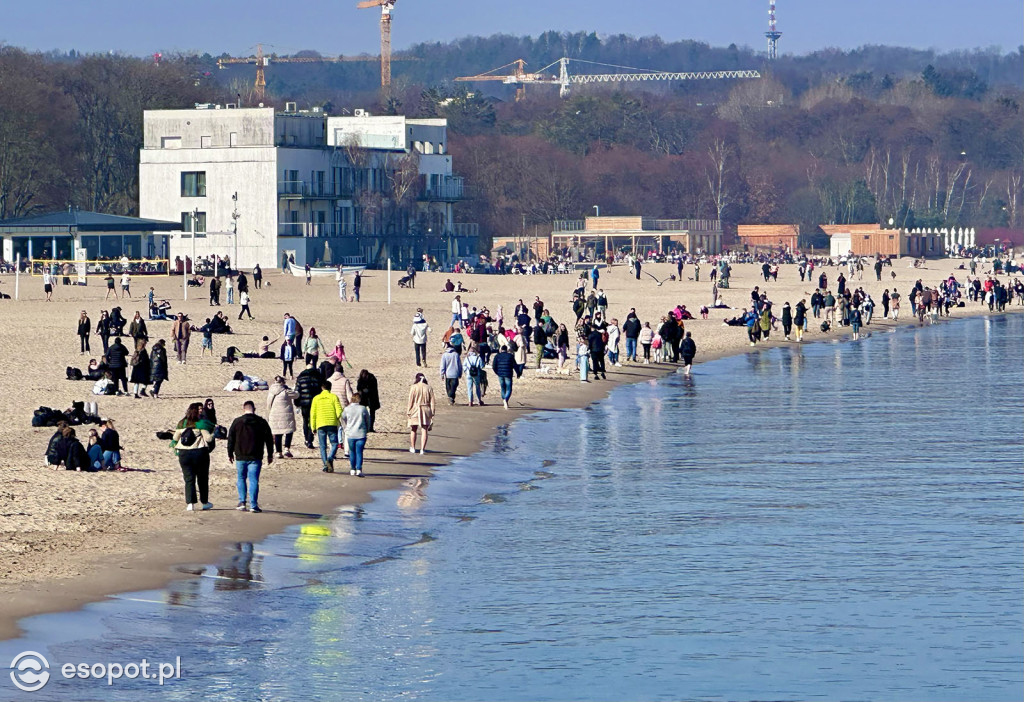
column 315, row 229
column 312, row 190
column 445, row 190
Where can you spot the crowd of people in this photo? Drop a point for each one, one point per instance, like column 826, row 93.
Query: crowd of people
column 336, row 414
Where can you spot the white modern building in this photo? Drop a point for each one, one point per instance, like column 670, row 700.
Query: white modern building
column 262, row 186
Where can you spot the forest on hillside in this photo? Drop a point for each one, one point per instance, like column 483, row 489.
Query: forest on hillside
column 832, row 137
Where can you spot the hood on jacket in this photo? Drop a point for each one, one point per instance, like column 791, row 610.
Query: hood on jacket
column 417, row 318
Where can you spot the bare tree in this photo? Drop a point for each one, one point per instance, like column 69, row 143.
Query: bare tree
column 719, row 173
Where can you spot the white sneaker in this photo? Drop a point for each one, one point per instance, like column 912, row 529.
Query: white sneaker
column 422, row 451
column 190, row 508
column 359, row 473
column 412, row 450
column 619, row 365
column 353, row 471
column 207, row 505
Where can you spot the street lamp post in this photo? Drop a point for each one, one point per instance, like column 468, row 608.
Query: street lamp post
column 597, row 211
column 234, row 223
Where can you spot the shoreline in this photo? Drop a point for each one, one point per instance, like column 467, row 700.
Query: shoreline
column 164, row 547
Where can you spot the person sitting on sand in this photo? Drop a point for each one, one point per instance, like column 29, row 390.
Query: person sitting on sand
column 263, row 348
column 449, row 286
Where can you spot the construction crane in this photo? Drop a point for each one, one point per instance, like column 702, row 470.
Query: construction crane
column 263, row 60
column 386, row 6
column 520, row 78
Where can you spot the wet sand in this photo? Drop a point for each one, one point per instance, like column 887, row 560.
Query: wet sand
column 70, row 538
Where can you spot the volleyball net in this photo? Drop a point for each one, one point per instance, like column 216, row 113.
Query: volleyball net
column 83, row 268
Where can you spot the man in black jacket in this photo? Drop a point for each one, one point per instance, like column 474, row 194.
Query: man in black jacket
column 688, row 349
column 308, row 385
column 631, row 330
column 596, row 343
column 503, row 364
column 540, row 338
column 117, row 362
column 248, row 436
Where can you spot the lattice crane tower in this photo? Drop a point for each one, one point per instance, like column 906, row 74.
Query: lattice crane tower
column 772, row 34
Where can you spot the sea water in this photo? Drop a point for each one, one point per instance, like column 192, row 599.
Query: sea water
column 827, row 521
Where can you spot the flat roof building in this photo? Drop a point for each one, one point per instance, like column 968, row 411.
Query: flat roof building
column 267, row 186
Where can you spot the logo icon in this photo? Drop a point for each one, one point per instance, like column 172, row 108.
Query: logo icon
column 30, row 671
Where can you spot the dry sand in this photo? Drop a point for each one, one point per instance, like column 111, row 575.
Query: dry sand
column 69, row 538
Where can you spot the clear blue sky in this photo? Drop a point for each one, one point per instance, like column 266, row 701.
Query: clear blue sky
column 336, row 27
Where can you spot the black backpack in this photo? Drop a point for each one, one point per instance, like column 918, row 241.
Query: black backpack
column 188, row 437
column 513, row 346
column 74, row 373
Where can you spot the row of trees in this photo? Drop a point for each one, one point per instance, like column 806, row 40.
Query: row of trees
column 941, row 146
column 71, row 127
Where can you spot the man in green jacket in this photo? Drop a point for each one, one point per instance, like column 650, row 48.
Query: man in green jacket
column 324, row 416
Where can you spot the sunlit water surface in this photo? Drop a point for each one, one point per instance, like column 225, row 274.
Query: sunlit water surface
column 832, row 521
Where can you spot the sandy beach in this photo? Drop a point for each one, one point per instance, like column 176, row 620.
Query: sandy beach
column 70, row 538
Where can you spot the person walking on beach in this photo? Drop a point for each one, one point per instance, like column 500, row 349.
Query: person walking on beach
column 137, row 329
column 84, row 330
column 229, row 285
column 800, row 318
column 181, row 332
column 419, row 331
column 355, row 419
column 474, row 367
column 117, row 362
column 855, row 322
column 451, row 371
column 288, row 360
column 895, row 299
column 787, row 320
column 312, row 347
column 281, row 416
column 257, row 276
column 420, row 413
column 646, row 338
column 103, row 329
column 357, row 283
column 48, row 285
column 342, row 288
column 140, row 368
column 309, row 281
column 158, row 366
column 503, row 364
column 308, row 385
column 324, row 419
column 688, row 349
column 193, row 442
column 243, row 300
column 248, row 437
column 369, row 396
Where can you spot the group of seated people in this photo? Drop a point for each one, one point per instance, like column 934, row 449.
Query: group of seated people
column 196, row 281
column 458, row 287
column 160, row 309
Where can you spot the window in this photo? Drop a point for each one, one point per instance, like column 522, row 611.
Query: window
column 193, row 184
column 205, row 142
column 186, row 222
column 170, row 142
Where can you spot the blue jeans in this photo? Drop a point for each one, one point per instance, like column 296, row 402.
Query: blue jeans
column 231, row 296
column 473, row 389
column 505, row 384
column 249, row 476
column 630, row 349
column 111, row 458
column 355, row 453
column 327, row 435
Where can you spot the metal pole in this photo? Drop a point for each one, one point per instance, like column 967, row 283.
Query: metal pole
column 17, row 276
column 389, row 280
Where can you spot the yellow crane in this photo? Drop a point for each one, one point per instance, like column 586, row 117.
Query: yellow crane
column 386, row 6
column 263, row 60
